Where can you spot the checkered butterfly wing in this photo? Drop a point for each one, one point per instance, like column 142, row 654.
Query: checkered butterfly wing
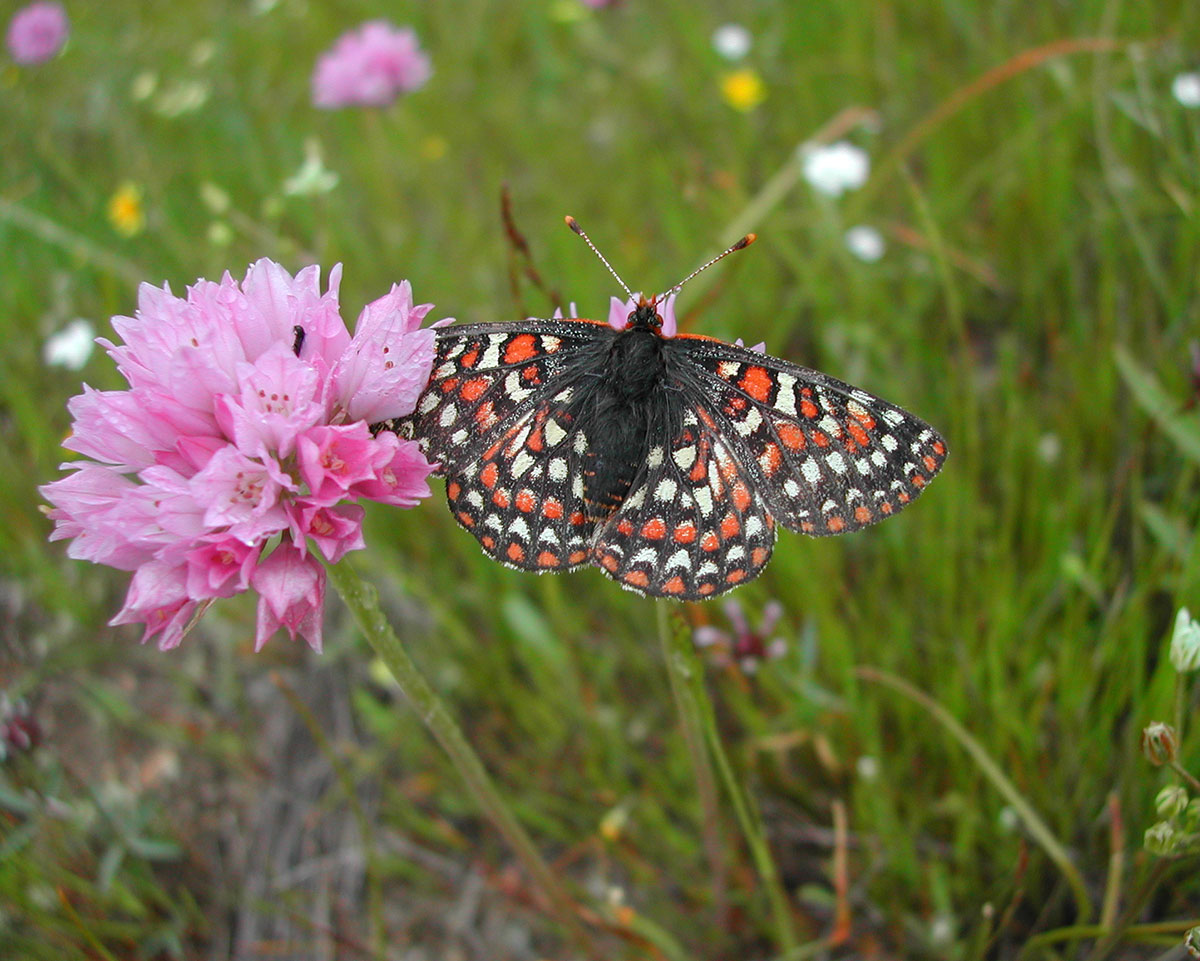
column 496, row 416
column 826, row 457
column 693, row 524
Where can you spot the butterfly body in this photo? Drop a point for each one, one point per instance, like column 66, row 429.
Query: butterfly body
column 667, row 461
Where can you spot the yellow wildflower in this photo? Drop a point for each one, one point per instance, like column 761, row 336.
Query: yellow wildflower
column 743, row 89
column 125, row 210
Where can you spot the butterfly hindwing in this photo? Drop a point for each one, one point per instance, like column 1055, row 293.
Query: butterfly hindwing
column 693, row 525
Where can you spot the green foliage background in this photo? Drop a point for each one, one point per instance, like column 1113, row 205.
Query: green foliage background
column 1038, row 187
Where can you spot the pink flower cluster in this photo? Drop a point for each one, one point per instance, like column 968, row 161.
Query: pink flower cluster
column 243, row 435
column 370, row 67
column 37, row 32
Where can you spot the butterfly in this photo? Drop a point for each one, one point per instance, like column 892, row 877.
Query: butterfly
column 669, row 460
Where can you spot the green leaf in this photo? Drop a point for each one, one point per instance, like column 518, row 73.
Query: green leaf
column 1183, row 429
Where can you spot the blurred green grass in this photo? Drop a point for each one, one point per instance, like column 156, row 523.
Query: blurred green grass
column 1025, row 592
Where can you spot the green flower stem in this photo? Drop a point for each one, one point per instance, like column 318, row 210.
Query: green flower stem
column 363, row 601
column 991, row 770
column 687, row 678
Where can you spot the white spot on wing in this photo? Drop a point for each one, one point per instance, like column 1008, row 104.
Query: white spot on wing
column 685, row 457
column 428, row 403
column 665, row 490
column 811, row 470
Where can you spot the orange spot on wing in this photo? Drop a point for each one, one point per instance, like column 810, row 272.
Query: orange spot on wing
column 757, row 383
column 489, row 474
column 546, row 559
column 774, row 458
column 729, row 526
column 526, row 501
column 465, row 519
column 864, row 418
column 485, row 414
column 577, row 557
column 685, row 533
column 552, row 508
column 516, row 553
column 534, row 441
column 918, row 480
column 820, row 439
column 636, row 578
column 520, row 348
column 674, row 586
column 699, row 469
column 577, row 519
column 741, row 496
column 807, row 527
column 453, row 490
column 709, row 542
column 808, row 409
column 860, row 435
column 530, row 374
column 488, row 541
column 902, row 497
column 609, row 562
column 939, row 448
column 886, row 507
column 759, row 556
column 862, row 513
column 706, row 588
column 474, row 388
column 470, row 357
column 449, row 384
column 792, row 436
column 654, row 529
column 836, row 524
column 705, row 419
column 930, row 463
column 735, row 577
column 624, row 527
column 500, row 499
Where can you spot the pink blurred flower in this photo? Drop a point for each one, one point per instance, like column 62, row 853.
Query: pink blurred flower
column 744, row 645
column 370, row 67
column 243, row 434
column 37, row 32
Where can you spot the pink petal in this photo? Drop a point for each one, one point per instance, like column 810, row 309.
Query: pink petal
column 291, row 592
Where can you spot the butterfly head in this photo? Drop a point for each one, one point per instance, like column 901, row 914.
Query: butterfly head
column 655, row 314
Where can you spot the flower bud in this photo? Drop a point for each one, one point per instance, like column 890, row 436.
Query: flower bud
column 1161, row 838
column 1159, row 743
column 1170, row 802
column 1191, row 816
column 1185, row 643
column 1191, row 941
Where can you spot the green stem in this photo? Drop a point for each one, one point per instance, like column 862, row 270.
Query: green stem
column 991, row 770
column 686, row 670
column 693, row 735
column 363, row 601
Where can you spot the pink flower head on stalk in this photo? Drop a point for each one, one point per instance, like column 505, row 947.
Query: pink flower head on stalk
column 37, row 32
column 370, row 67
column 744, row 645
column 243, row 435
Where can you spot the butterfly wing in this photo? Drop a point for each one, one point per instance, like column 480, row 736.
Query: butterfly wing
column 496, row 415
column 827, row 457
column 693, row 524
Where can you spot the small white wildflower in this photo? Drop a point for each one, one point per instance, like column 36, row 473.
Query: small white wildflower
column 214, row 197
column 1170, row 802
column 144, row 85
column 941, row 930
column 834, row 168
column 866, row 243
column 1185, row 643
column 70, row 347
column 732, row 41
column 1049, row 448
column 1008, row 819
column 867, row 767
column 312, row 178
column 1186, row 89
column 182, row 96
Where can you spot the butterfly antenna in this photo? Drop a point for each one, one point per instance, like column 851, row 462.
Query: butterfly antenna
column 574, row 225
column 740, row 245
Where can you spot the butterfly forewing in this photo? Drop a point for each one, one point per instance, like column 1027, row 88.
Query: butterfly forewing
column 828, row 458
column 496, row 417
